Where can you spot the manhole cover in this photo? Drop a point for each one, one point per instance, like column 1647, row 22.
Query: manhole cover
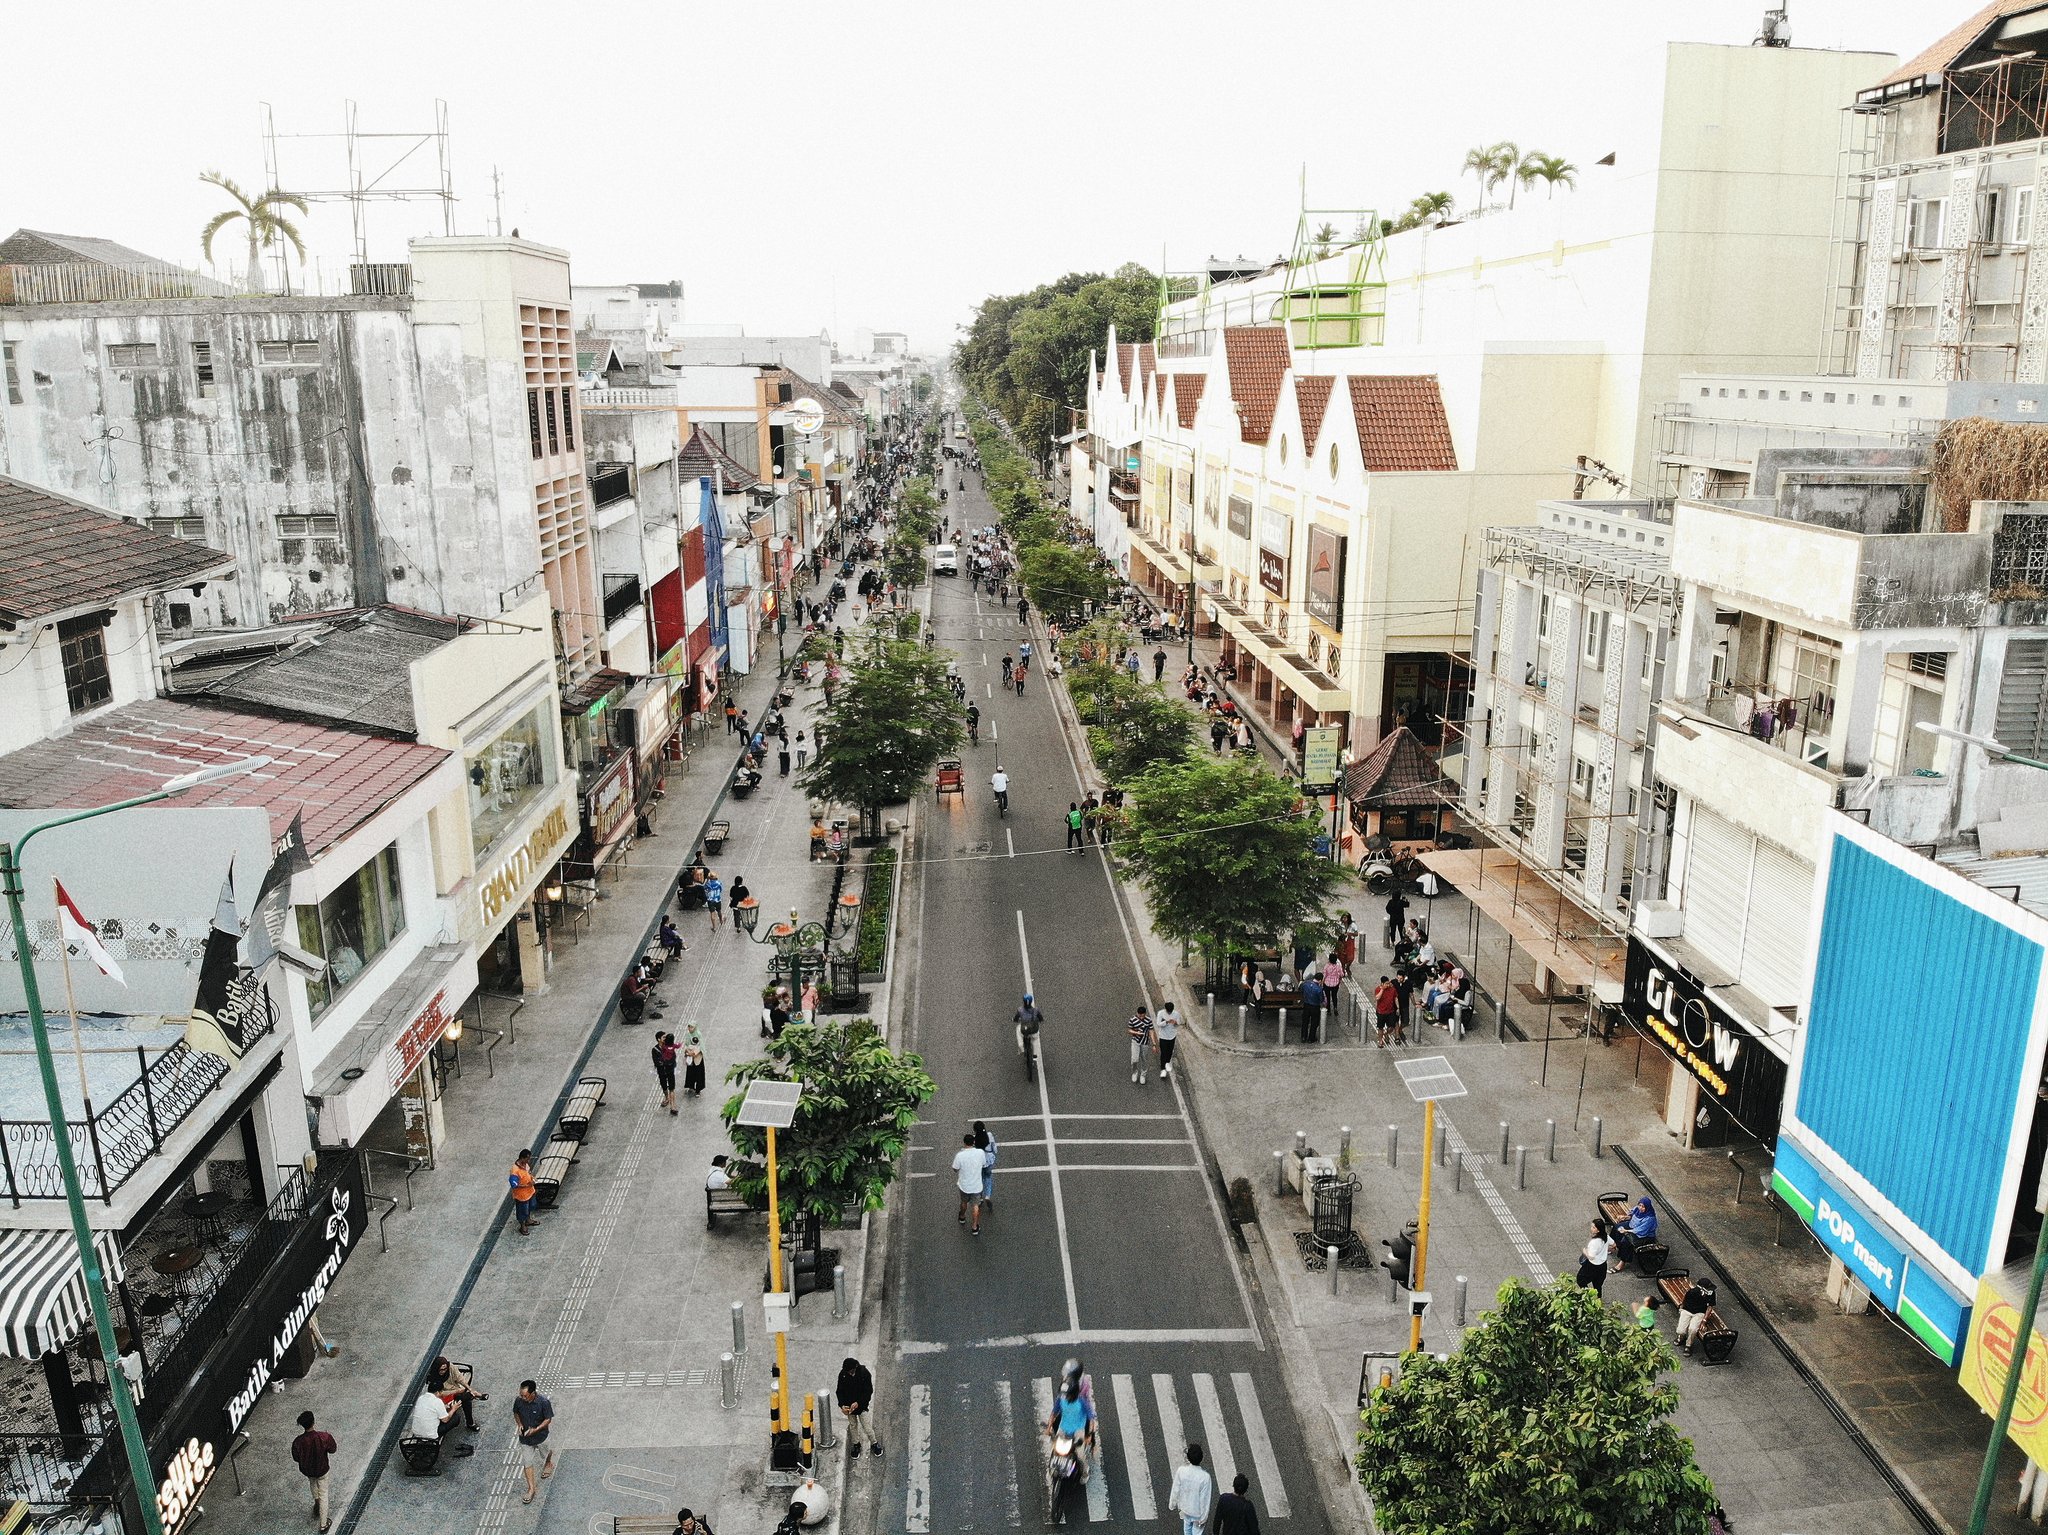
column 977, row 847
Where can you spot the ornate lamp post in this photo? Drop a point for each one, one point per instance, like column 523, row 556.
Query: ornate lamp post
column 807, row 946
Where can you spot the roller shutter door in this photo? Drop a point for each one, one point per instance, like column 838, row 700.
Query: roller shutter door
column 1717, row 888
column 1780, row 908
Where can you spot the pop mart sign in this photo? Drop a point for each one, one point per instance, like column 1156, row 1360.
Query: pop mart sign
column 1987, row 1360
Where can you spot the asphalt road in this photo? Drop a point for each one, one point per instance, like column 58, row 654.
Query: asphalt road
column 1106, row 1238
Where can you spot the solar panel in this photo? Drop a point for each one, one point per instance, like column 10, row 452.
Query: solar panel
column 1430, row 1076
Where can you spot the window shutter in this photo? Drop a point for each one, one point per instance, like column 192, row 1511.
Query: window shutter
column 1717, row 888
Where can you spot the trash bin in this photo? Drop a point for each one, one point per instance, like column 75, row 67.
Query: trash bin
column 1332, row 1214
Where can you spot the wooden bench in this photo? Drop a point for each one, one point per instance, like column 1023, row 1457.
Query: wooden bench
column 1716, row 1339
column 729, row 1201
column 1648, row 1256
column 643, row 1524
column 574, row 1124
column 551, row 1167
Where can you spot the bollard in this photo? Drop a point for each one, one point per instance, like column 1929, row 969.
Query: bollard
column 728, row 1381
column 1300, row 1144
column 1322, row 1024
column 1458, row 1182
column 789, row 1280
column 839, row 1289
column 1503, row 1143
column 739, row 1328
column 1212, row 1012
column 1393, row 1289
column 1283, row 1025
column 1458, row 1299
column 1280, row 1173
column 1596, row 1135
column 1330, row 1253
column 1344, row 1145
column 1393, row 1145
column 828, row 1409
column 1241, row 1010
column 1551, row 1126
column 1521, row 1167
column 805, row 1445
column 1443, row 1147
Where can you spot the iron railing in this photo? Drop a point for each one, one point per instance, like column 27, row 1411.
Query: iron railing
column 53, row 1471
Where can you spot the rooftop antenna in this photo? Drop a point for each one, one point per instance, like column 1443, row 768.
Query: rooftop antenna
column 497, row 203
column 1776, row 31
column 373, row 160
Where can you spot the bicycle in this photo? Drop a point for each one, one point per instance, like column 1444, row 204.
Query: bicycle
column 1027, row 1046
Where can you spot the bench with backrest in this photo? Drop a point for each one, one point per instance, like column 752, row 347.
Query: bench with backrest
column 574, row 1124
column 1716, row 1337
column 729, row 1201
column 551, row 1167
column 643, row 1524
column 1649, row 1256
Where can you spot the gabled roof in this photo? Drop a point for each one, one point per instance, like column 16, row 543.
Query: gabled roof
column 841, row 387
column 1126, row 367
column 800, row 388
column 1401, row 423
column 1398, row 771
column 701, row 455
column 1159, row 391
column 1952, row 45
column 1257, row 358
column 1312, row 399
column 337, row 779
column 597, row 354
column 63, row 555
column 1187, row 395
column 37, row 245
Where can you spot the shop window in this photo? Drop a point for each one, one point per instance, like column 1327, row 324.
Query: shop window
column 1412, row 823
column 82, row 642
column 359, row 921
column 507, row 776
column 13, row 372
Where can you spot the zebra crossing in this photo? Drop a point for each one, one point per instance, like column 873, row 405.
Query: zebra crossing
column 988, row 1433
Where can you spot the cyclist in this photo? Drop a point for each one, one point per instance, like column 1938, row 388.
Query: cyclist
column 1027, row 1020
column 1006, row 668
column 974, row 723
column 1000, row 783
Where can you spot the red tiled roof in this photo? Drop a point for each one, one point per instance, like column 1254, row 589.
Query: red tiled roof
column 1954, row 44
column 1126, row 367
column 64, row 554
column 1257, row 358
column 1312, row 398
column 1159, row 390
column 1401, row 423
column 702, row 454
column 1187, row 395
column 337, row 779
column 1147, row 360
column 1398, row 771
column 801, row 388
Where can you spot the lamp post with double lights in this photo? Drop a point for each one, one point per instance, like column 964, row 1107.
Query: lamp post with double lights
column 800, row 945
column 136, row 1447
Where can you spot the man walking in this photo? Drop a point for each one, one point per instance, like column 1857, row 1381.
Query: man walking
column 1234, row 1512
column 855, row 1394
column 1397, row 917
column 1159, row 665
column 1075, row 822
column 521, row 1181
column 967, row 1168
column 310, row 1451
column 535, row 1415
column 1193, row 1488
column 1166, row 1030
column 1141, row 1030
column 782, row 758
column 1386, row 1008
column 714, row 898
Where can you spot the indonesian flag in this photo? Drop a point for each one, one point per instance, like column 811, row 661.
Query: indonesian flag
column 73, row 928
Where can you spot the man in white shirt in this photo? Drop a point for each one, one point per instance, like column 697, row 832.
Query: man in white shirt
column 967, row 1166
column 433, row 1418
column 1193, row 1487
column 1000, row 783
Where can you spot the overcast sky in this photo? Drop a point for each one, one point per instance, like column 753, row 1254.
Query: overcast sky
column 881, row 163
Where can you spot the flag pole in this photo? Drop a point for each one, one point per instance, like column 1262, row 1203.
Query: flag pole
column 71, row 1002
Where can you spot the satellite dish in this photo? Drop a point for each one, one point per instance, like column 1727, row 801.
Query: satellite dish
column 806, row 415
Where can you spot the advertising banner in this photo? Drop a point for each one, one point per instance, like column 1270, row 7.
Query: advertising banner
column 1276, row 539
column 1319, row 753
column 1987, row 1361
column 1326, row 576
column 1240, row 517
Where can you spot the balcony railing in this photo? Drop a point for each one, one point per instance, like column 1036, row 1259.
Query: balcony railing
column 118, row 1139
column 50, row 1472
column 621, row 596
column 1798, row 727
column 105, row 282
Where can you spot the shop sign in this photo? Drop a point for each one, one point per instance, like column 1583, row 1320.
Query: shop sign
column 300, row 1280
column 1325, row 598
column 1240, row 517
column 676, row 662
column 1844, row 1227
column 403, row 1055
column 1319, row 752
column 185, row 1478
column 532, row 857
column 1130, row 463
column 1743, row 1078
column 1276, row 539
column 1987, row 1361
column 610, row 804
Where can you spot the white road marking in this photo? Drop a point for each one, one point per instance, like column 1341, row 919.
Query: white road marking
column 1129, row 1431
column 1215, row 1434
column 1041, row 1402
column 1087, row 1337
column 1006, row 1416
column 1097, row 1485
column 995, row 731
column 1059, row 1202
column 1169, row 1421
column 989, row 689
column 1271, row 1491
column 917, row 1499
column 1012, row 841
column 963, row 1406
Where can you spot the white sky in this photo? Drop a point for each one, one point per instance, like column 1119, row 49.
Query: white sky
column 881, row 163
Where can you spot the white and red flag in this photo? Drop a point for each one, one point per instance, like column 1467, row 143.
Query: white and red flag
column 73, row 928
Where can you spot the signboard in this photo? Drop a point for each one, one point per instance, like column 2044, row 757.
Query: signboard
column 806, row 415
column 1844, row 1227
column 1987, row 1360
column 507, row 883
column 1740, row 1079
column 610, row 804
column 403, row 1055
column 1131, row 463
column 1320, row 749
column 1212, row 492
column 1325, row 599
column 1276, row 540
column 1240, row 517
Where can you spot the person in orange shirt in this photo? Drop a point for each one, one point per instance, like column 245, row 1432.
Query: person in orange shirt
column 521, row 1183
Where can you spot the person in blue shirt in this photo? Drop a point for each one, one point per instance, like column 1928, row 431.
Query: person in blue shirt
column 1640, row 1227
column 714, row 899
column 1073, row 1414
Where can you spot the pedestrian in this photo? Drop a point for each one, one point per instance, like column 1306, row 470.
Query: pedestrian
column 782, row 758
column 1404, row 997
column 693, row 1063
column 1646, row 1312
column 737, row 891
column 1075, row 821
column 967, row 1169
column 740, row 726
column 985, row 1143
column 1333, row 976
column 810, row 999
column 774, row 1012
column 1244, row 736
column 311, row 1452
column 1193, row 1488
column 1166, row 1032
column 803, row 751
column 855, row 1393
column 1142, row 1031
column 1218, row 733
column 1017, row 676
column 1692, row 1311
column 664, row 1053
column 1397, row 914
column 535, row 1415
column 1593, row 1259
column 521, row 1182
column 732, row 715
column 714, row 898
column 1159, row 665
column 1386, row 1010
column 1234, row 1512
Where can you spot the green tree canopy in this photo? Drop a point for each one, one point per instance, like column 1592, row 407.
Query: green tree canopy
column 1060, row 579
column 860, row 1101
column 1140, row 729
column 1226, row 853
column 1549, row 1419
column 888, row 723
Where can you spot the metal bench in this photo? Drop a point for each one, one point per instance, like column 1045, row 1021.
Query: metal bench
column 1716, row 1337
column 643, row 1524
column 574, row 1124
column 1648, row 1257
column 551, row 1167
column 421, row 1456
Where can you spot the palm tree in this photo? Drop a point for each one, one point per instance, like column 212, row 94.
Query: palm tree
column 1430, row 206
column 1503, row 158
column 1324, row 238
column 1552, row 170
column 267, row 223
column 1480, row 163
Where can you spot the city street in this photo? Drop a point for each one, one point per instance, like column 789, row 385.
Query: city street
column 1106, row 1240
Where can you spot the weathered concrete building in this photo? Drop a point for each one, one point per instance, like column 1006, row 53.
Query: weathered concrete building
column 412, row 441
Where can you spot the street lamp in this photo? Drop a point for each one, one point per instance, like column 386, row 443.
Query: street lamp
column 771, row 1105
column 139, row 1468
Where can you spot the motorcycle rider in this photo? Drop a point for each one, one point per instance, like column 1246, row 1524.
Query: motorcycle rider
column 974, row 723
column 1028, row 1019
column 999, row 781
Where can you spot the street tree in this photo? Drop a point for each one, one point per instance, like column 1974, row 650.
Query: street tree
column 853, row 1123
column 891, row 719
column 1140, row 729
column 1062, row 581
column 1550, row 1418
column 1226, row 852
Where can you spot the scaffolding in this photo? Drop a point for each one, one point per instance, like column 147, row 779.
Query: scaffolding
column 1349, row 309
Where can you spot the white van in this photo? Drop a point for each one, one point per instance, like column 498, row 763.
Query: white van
column 945, row 561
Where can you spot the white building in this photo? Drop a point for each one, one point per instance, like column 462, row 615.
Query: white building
column 646, row 310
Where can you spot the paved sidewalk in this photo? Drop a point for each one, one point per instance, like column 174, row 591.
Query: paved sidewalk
column 620, row 1300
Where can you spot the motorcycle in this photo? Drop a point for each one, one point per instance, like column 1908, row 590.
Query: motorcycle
column 1062, row 1477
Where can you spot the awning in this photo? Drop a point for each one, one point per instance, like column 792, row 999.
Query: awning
column 1311, row 687
column 42, row 1289
column 1555, row 932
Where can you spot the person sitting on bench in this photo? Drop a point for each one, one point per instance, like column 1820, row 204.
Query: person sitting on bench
column 633, row 998
column 671, row 941
column 717, row 1178
column 1692, row 1311
column 1639, row 1227
column 434, row 1419
column 452, row 1383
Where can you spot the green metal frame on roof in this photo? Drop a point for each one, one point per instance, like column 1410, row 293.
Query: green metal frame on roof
column 1349, row 311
